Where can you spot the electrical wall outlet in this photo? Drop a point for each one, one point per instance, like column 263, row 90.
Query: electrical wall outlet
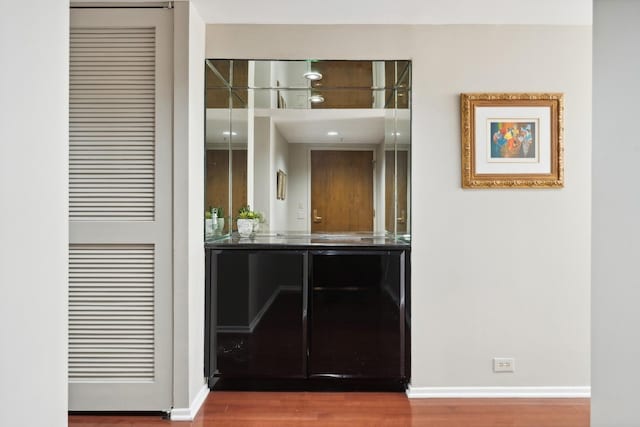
column 503, row 364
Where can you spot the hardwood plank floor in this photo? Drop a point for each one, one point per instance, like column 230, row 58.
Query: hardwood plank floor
column 329, row 409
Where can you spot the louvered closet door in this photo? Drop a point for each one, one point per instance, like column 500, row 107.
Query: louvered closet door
column 120, row 256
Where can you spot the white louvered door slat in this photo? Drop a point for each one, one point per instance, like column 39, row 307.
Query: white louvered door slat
column 93, row 80
column 120, row 210
column 116, row 314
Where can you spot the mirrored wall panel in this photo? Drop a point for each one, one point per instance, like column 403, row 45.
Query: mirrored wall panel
column 308, row 146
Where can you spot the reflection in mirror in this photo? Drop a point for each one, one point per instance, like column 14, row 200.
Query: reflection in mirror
column 339, row 131
column 217, row 170
column 397, row 173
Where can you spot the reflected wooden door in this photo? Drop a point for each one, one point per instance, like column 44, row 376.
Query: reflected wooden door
column 390, row 171
column 218, row 182
column 341, row 191
column 353, row 79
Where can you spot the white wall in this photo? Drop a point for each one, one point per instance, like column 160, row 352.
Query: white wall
column 197, row 35
column 262, row 78
column 288, row 75
column 616, row 209
column 261, row 167
column 495, row 272
column 279, row 214
column 271, row 152
column 502, row 273
column 34, row 166
column 188, row 190
column 298, row 189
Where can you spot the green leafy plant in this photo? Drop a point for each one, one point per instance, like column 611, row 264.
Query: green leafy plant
column 245, row 212
column 220, row 212
column 207, row 214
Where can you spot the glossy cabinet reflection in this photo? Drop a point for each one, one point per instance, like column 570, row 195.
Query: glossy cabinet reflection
column 307, row 315
column 356, row 329
column 258, row 313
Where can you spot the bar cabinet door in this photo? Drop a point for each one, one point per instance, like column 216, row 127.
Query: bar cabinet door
column 259, row 316
column 357, row 324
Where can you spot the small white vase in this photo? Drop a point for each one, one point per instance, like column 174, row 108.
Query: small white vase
column 245, row 227
column 208, row 227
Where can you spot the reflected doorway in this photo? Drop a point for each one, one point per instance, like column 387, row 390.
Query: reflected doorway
column 340, row 181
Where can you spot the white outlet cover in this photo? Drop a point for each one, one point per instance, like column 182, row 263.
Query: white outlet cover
column 504, row 364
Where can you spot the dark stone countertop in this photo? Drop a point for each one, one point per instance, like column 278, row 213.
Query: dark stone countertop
column 310, row 241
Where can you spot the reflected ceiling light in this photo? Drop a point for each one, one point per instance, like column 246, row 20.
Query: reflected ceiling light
column 312, row 75
column 332, row 133
column 395, row 133
column 226, row 132
column 316, row 99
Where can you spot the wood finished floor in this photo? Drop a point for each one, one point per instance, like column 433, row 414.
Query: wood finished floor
column 267, row 409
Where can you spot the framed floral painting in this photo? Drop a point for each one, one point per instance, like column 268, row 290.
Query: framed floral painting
column 512, row 140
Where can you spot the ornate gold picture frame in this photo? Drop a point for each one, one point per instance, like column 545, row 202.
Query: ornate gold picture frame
column 512, row 140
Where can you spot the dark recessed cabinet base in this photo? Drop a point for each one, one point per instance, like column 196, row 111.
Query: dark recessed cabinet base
column 307, row 384
column 295, row 317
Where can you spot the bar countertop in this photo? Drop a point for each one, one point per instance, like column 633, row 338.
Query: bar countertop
column 312, row 241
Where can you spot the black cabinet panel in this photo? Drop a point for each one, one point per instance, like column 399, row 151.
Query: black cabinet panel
column 259, row 328
column 315, row 316
column 355, row 321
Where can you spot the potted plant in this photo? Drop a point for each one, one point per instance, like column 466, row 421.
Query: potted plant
column 220, row 219
column 208, row 222
column 248, row 221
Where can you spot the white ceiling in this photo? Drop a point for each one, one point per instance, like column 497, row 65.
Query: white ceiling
column 511, row 12
column 354, row 126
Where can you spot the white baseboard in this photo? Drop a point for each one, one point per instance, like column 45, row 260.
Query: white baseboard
column 498, row 392
column 188, row 414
